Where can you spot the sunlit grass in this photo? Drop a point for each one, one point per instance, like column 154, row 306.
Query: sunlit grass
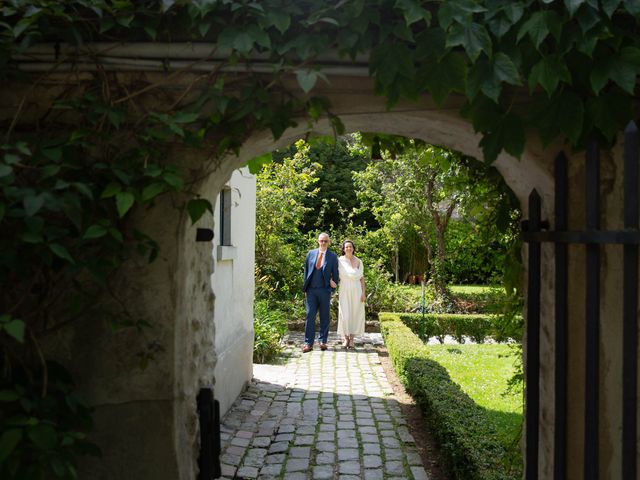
column 470, row 289
column 482, row 371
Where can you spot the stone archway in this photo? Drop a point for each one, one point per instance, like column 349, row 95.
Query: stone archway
column 360, row 112
column 146, row 420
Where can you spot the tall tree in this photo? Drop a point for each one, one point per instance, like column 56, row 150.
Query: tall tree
column 335, row 204
column 281, row 190
column 422, row 189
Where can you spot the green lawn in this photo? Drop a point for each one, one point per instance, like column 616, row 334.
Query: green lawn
column 473, row 289
column 482, row 371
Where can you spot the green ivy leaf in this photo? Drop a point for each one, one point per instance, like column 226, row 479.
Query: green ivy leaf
column 153, row 171
column 151, row 31
column 54, row 154
column 609, row 6
column 563, row 112
column 548, row 72
column 152, row 191
column 243, row 42
column 509, row 135
column 167, row 4
column 84, row 189
column 23, row 148
column 43, row 436
column 445, row 76
column 459, row 10
column 609, row 113
column 94, row 231
column 61, row 252
column 111, row 190
column 115, row 233
column 184, row 117
column 5, row 170
column 15, row 328
column 279, row 19
column 413, row 11
column 50, row 170
column 600, row 75
column 306, row 79
column 484, row 113
column 8, row 442
column 500, row 25
column 8, row 396
column 124, row 201
column 473, row 37
column 505, row 70
column 588, row 18
column 540, row 25
column 173, row 180
column 255, row 164
column 11, row 158
column 197, row 208
column 31, row 237
column 33, row 203
column 513, row 11
column 573, row 6
column 21, row 26
column 259, row 36
column 632, row 6
column 621, row 69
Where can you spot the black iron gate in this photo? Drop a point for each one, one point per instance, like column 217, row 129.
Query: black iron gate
column 209, row 417
column 536, row 231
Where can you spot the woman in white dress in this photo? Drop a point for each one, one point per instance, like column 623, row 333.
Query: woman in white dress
column 351, row 296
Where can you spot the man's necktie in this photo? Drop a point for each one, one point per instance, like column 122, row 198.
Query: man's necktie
column 319, row 262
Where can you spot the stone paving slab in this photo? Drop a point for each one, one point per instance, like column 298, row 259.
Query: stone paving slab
column 320, row 415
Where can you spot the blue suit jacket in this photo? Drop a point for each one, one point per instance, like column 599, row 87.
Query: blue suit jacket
column 329, row 268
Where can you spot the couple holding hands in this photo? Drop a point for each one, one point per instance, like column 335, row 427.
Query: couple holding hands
column 323, row 271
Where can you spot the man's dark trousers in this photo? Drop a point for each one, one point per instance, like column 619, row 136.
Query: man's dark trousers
column 318, row 299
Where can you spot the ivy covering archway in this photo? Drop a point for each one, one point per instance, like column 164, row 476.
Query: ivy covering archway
column 75, row 165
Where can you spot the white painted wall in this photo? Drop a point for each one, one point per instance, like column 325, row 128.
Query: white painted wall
column 233, row 286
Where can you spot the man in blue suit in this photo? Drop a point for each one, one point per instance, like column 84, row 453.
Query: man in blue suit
column 320, row 281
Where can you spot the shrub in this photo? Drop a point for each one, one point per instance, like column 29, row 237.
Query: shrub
column 465, row 434
column 477, row 327
column 270, row 325
column 382, row 293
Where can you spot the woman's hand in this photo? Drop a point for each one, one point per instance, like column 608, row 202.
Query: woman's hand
column 363, row 297
column 332, row 284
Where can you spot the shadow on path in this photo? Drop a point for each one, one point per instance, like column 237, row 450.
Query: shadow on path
column 321, row 415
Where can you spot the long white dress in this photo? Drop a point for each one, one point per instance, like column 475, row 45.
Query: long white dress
column 350, row 307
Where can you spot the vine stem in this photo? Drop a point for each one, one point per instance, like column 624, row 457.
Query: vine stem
column 45, row 371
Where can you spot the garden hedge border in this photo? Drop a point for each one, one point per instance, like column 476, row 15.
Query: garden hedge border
column 475, row 326
column 461, row 427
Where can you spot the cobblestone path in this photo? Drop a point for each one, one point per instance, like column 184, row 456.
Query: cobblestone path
column 322, row 415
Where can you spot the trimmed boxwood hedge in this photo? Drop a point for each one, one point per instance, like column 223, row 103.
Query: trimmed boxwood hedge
column 478, row 327
column 462, row 428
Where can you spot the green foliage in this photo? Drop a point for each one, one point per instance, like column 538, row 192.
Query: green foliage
column 483, row 373
column 438, row 325
column 41, row 435
column 71, row 175
column 583, row 55
column 270, row 325
column 281, row 191
column 417, row 192
column 335, row 204
column 465, row 431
